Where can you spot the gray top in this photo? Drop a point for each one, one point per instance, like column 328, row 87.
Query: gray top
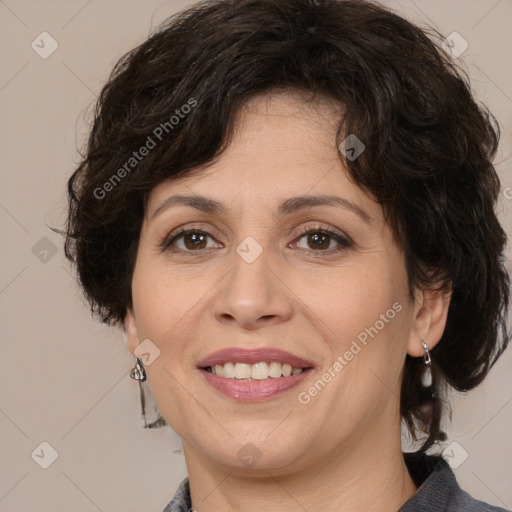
column 438, row 490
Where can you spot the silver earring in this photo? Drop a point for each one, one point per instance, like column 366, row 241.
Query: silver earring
column 138, row 372
column 426, row 377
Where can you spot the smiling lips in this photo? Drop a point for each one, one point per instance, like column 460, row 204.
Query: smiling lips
column 253, row 375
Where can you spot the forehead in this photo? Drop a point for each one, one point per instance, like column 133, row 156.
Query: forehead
column 284, row 145
column 288, row 123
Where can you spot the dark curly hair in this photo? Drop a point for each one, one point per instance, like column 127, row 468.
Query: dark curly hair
column 428, row 157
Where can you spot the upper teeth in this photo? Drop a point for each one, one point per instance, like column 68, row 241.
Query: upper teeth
column 258, row 371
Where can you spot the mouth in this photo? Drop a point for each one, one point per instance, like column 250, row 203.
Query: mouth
column 254, row 375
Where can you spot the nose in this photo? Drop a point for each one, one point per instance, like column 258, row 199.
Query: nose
column 254, row 295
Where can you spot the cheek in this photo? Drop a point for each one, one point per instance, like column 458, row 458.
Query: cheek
column 368, row 315
column 357, row 298
column 171, row 311
column 163, row 299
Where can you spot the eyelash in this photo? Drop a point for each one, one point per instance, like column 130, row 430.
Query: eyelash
column 343, row 241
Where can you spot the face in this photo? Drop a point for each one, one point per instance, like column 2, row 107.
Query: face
column 268, row 267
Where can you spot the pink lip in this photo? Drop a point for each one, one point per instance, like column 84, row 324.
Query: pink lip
column 254, row 391
column 253, row 356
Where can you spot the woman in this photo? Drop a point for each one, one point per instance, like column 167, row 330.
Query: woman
column 288, row 206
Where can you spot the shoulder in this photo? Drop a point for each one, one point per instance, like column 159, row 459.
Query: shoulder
column 438, row 489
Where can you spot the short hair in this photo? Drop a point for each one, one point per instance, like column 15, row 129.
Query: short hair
column 428, row 157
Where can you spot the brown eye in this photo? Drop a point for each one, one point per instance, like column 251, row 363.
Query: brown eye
column 318, row 241
column 322, row 241
column 191, row 240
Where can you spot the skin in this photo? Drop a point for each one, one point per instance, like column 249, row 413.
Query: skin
column 312, row 297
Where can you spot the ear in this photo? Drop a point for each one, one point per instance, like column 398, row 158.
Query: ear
column 130, row 330
column 429, row 319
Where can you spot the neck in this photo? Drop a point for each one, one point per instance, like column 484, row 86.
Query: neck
column 374, row 478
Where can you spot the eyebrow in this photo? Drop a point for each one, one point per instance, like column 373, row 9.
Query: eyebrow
column 291, row 205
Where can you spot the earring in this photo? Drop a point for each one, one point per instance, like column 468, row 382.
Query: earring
column 138, row 373
column 426, row 377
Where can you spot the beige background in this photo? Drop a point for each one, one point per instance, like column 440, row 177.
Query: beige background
column 63, row 378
